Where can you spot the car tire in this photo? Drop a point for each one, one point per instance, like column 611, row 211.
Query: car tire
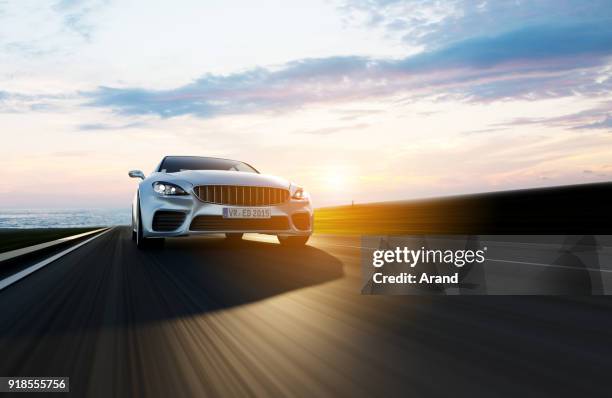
column 293, row 241
column 141, row 241
column 133, row 227
column 234, row 236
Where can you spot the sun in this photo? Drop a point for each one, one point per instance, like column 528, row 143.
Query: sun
column 336, row 178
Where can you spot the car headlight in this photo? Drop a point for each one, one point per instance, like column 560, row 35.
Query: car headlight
column 166, row 188
column 299, row 193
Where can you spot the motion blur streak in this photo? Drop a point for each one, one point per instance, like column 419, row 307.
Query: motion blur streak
column 553, row 211
column 203, row 318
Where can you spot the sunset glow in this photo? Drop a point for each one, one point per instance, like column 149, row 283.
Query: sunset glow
column 352, row 100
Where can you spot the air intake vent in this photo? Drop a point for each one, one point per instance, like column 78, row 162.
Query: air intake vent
column 240, row 195
column 301, row 220
column 167, row 220
column 218, row 223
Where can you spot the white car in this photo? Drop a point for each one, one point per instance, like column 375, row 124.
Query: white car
column 189, row 195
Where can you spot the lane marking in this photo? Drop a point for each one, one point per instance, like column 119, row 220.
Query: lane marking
column 549, row 265
column 33, row 268
column 31, row 249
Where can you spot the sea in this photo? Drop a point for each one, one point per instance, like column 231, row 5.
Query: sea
column 63, row 218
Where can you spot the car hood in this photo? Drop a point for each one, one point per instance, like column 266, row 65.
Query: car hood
column 221, row 177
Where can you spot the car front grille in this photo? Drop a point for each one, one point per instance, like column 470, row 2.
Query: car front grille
column 218, row 223
column 238, row 195
column 167, row 220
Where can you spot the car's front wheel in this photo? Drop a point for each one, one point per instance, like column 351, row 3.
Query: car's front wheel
column 141, row 241
column 133, row 228
column 293, row 241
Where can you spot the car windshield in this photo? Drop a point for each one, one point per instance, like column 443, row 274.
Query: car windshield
column 174, row 164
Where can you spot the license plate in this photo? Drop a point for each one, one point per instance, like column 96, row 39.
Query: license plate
column 246, row 212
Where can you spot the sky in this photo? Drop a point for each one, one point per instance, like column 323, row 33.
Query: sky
column 364, row 100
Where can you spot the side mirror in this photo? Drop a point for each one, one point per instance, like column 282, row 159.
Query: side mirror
column 136, row 174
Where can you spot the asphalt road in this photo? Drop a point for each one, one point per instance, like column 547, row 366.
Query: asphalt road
column 201, row 317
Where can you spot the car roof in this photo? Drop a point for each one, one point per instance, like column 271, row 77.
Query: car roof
column 197, row 156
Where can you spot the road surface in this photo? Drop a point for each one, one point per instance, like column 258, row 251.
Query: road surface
column 201, row 317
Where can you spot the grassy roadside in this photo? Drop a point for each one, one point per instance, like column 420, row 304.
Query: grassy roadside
column 11, row 239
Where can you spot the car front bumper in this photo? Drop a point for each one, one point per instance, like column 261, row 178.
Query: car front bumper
column 284, row 216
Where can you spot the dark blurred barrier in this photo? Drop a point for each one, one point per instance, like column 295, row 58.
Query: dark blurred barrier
column 575, row 209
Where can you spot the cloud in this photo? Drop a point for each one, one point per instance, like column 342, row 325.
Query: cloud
column 545, row 42
column 15, row 102
column 596, row 118
column 333, row 130
column 106, row 126
column 592, row 173
column 483, row 131
column 605, row 124
column 32, row 29
column 533, row 62
column 436, row 24
column 76, row 13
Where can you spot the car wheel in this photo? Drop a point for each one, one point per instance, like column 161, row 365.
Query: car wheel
column 141, row 241
column 293, row 241
column 233, row 237
column 133, row 228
